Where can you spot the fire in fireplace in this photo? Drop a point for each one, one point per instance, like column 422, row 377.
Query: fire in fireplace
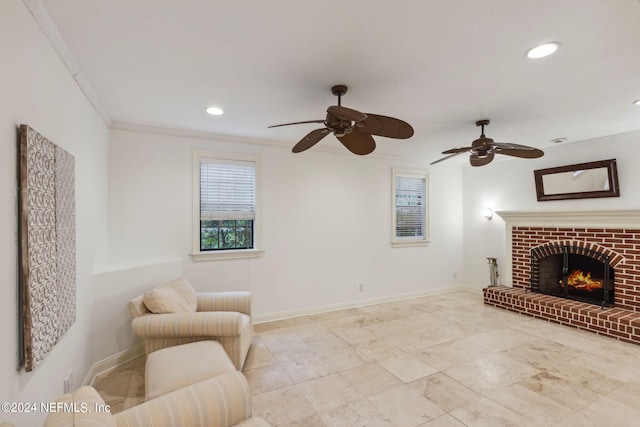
column 577, row 280
column 575, row 273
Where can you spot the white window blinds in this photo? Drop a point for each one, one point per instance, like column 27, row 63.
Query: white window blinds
column 227, row 189
column 410, row 206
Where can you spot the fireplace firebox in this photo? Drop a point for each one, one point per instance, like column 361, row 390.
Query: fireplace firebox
column 571, row 272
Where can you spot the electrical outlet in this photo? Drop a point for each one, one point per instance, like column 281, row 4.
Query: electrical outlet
column 361, row 287
column 455, row 274
column 68, row 381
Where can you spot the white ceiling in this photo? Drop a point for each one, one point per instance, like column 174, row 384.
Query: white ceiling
column 438, row 64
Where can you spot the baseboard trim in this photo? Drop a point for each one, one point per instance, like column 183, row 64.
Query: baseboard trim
column 112, row 362
column 289, row 314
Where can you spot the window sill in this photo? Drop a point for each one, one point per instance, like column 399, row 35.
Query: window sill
column 409, row 243
column 230, row 254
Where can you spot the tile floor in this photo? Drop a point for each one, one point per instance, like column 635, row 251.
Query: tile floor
column 444, row 360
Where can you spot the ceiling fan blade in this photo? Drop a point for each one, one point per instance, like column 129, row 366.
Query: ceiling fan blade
column 310, row 140
column 346, row 113
column 457, row 150
column 476, row 160
column 297, row 123
column 525, row 153
column 389, row 127
column 445, row 158
column 510, row 145
column 358, row 142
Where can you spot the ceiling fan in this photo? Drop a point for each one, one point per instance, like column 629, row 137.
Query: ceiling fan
column 484, row 149
column 352, row 128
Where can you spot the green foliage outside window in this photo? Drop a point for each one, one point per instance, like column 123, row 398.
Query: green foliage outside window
column 226, row 234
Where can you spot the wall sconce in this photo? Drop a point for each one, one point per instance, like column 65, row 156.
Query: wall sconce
column 488, row 213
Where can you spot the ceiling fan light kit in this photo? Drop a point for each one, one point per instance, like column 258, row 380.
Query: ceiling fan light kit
column 352, row 128
column 483, row 149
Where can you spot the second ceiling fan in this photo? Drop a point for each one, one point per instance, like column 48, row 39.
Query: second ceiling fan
column 352, row 128
column 483, row 149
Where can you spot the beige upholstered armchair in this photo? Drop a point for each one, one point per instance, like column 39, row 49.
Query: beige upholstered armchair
column 175, row 314
column 222, row 401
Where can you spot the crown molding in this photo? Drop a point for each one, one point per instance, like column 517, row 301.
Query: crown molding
column 183, row 133
column 50, row 30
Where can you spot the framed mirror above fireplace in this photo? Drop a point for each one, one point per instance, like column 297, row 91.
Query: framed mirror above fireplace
column 579, row 181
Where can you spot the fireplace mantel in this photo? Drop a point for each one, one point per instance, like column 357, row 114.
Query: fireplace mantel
column 623, row 219
column 594, row 218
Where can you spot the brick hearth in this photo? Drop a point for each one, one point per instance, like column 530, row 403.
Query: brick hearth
column 613, row 322
column 526, row 231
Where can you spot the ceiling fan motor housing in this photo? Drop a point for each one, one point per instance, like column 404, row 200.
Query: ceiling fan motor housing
column 481, row 144
column 339, row 126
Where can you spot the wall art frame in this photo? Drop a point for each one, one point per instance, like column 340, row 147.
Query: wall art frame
column 47, row 229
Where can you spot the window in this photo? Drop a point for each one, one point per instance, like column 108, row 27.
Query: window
column 410, row 200
column 226, row 209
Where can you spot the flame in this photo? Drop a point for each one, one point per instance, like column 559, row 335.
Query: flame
column 578, row 280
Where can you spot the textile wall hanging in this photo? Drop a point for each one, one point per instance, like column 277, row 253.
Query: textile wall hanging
column 47, row 289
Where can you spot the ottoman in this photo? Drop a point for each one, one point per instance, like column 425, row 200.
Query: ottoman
column 173, row 368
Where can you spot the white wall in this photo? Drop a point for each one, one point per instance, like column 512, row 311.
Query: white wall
column 509, row 185
column 38, row 90
column 110, row 327
column 327, row 223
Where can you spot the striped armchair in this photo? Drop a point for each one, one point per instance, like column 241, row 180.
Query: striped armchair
column 222, row 401
column 221, row 316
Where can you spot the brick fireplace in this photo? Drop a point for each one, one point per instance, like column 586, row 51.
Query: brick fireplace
column 614, row 235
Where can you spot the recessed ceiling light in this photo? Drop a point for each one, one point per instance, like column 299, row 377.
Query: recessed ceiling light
column 542, row 50
column 558, row 140
column 637, row 102
column 215, row 111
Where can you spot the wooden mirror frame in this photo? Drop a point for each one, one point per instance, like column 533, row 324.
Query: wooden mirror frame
column 612, row 173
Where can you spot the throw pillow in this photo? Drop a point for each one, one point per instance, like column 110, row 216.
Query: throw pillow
column 178, row 296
